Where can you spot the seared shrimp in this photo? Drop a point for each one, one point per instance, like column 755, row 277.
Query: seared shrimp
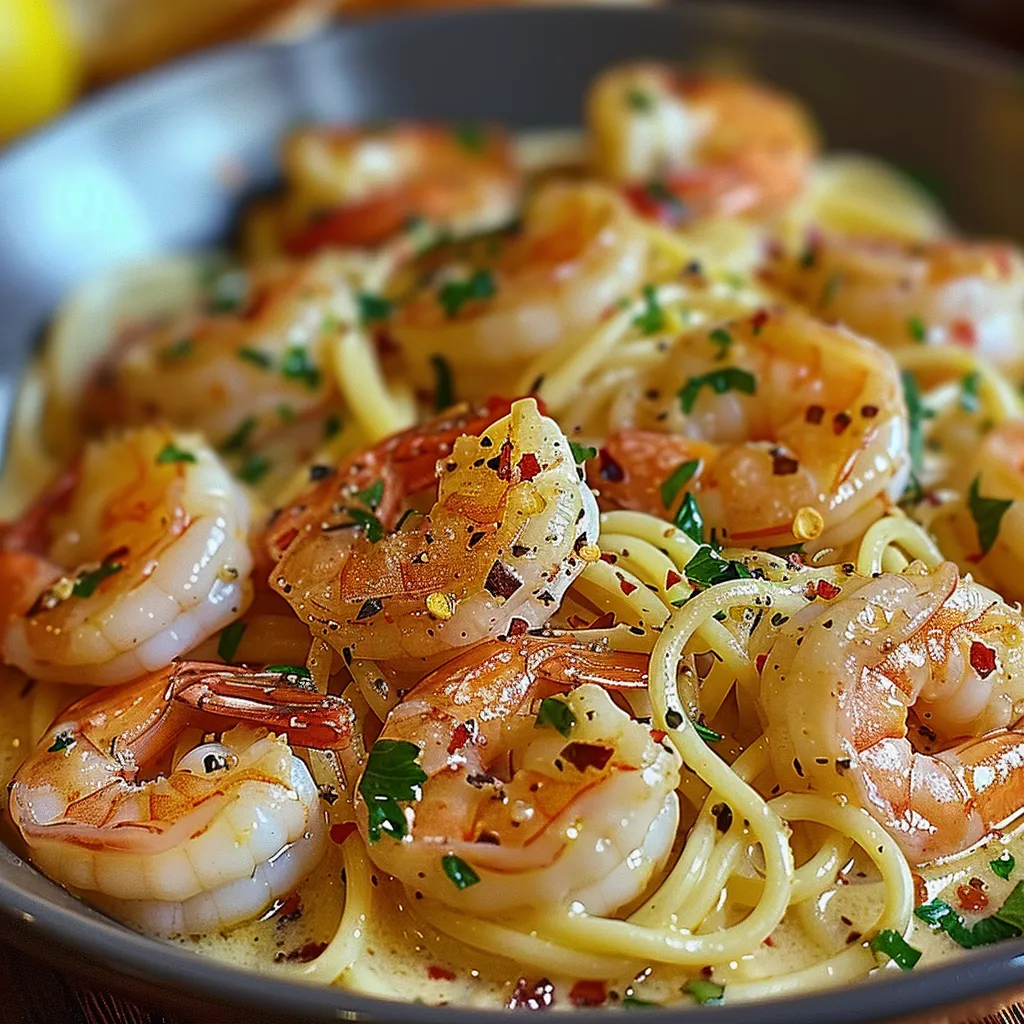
column 130, row 559
column 523, row 799
column 944, row 292
column 714, row 146
column 249, row 363
column 843, row 675
column 498, row 548
column 359, row 186
column 232, row 825
column 779, row 413
column 495, row 304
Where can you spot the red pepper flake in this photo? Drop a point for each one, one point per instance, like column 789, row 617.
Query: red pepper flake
column 658, row 735
column 840, row 422
column 826, row 590
column 607, row 556
column 920, row 890
column 983, row 659
column 538, row 996
column 815, row 414
column 501, row 581
column 505, row 461
column 769, row 941
column 517, row 627
column 282, row 540
column 608, row 468
column 588, row 993
column 962, row 333
column 784, row 465
column 586, row 755
column 869, row 412
column 290, row 908
column 759, row 662
column 972, row 897
column 340, row 832
column 626, row 587
column 758, row 320
column 672, row 578
column 302, row 955
column 529, row 467
column 605, row 621
column 435, row 973
column 461, row 735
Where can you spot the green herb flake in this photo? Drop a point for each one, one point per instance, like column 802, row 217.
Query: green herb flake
column 230, row 638
column 61, row 742
column 556, row 714
column 637, row 99
column 1006, row 923
column 707, row 568
column 917, row 413
column 86, row 583
column 632, row 1003
column 652, row 318
column 178, row 351
column 673, row 484
column 461, row 874
column 987, row 514
column 444, row 388
column 581, row 452
column 373, row 308
column 239, row 438
column 689, row 519
column 370, row 496
column 707, row 734
column 723, row 339
column 256, row 356
column 707, row 993
column 917, row 330
column 891, row 944
column 1003, row 865
column 332, row 426
column 1012, row 910
column 172, row 453
column 969, row 392
column 472, row 137
column 391, row 777
column 453, row 295
column 285, row 413
column 298, row 671
column 371, row 525
column 671, row 208
column 296, row 365
column 829, row 290
column 729, row 378
column 253, row 469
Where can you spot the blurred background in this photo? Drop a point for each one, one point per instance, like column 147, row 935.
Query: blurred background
column 53, row 51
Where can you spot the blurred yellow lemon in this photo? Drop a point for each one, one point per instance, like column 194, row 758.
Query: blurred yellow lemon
column 39, row 63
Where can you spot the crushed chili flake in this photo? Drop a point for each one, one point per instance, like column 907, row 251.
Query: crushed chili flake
column 517, row 627
column 290, row 908
column 769, row 941
column 282, row 540
column 538, row 996
column 626, row 587
column 658, row 735
column 588, row 993
column 920, row 890
column 435, row 973
column 826, row 590
column 340, row 832
column 840, row 422
column 963, row 333
column 758, row 320
column 608, row 468
column 784, row 465
column 869, row 412
column 505, row 461
column 603, row 621
column 529, row 467
column 759, row 662
column 461, row 735
column 302, row 955
column 502, row 581
column 586, row 755
column 672, row 578
column 972, row 897
column 983, row 659
column 815, row 414
column 607, row 556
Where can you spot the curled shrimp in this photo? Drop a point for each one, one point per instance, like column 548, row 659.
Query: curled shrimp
column 499, row 546
column 485, row 307
column 903, row 693
column 942, row 292
column 774, row 413
column 577, row 805
column 131, row 558
column 125, row 802
column 359, row 186
column 714, row 145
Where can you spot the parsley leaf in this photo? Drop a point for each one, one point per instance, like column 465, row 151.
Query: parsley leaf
column 236, row 441
column 917, row 330
column 1012, row 910
column 730, row 378
column 556, row 714
column 373, row 307
column 455, row 294
column 672, row 485
column 652, row 318
column 332, row 426
column 61, row 742
column 581, row 452
column 723, row 339
column 689, row 519
column 891, row 944
column 1006, row 923
column 86, row 583
column 230, row 638
column 707, row 993
column 987, row 514
column 253, row 469
column 917, row 413
column 391, row 777
column 461, row 874
column 706, row 733
column 372, row 526
column 632, row 1003
column 707, row 568
column 257, row 357
column 172, row 453
column 179, row 350
column 969, row 392
column 637, row 99
column 472, row 137
column 296, row 365
column 444, row 389
column 1003, row 865
column 298, row 671
column 370, row 496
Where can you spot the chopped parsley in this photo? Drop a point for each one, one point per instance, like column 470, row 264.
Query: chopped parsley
column 987, row 514
column 285, row 413
column 172, row 453
column 61, row 742
column 723, row 339
column 829, row 289
column 917, row 330
column 891, row 944
column 917, row 413
column 86, row 583
column 652, row 318
column 460, row 873
column 370, row 496
column 689, row 519
column 969, row 392
column 455, row 294
column 253, row 469
column 391, row 777
column 637, row 99
column 237, row 440
column 730, row 378
column 556, row 714
column 332, row 426
column 444, row 389
column 1003, row 865
column 706, row 733
column 1006, row 923
column 632, row 1003
column 371, row 525
column 472, row 137
column 707, row 993
column 230, row 638
column 179, row 350
column 373, row 307
column 298, row 671
column 707, row 568
column 581, row 452
column 673, row 484
column 296, row 365
column 256, row 356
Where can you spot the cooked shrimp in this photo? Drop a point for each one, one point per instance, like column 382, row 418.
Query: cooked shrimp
column 843, row 675
column 131, row 558
column 714, row 146
column 249, row 363
column 498, row 548
column 943, row 292
column 492, row 305
column 781, row 413
column 232, row 825
column 359, row 186
column 577, row 804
